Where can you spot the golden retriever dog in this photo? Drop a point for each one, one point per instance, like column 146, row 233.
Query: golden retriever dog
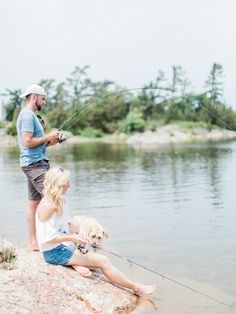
column 91, row 228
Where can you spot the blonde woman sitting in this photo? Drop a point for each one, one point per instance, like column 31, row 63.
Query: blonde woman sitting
column 59, row 247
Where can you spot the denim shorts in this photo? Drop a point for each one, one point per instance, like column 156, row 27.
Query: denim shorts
column 60, row 255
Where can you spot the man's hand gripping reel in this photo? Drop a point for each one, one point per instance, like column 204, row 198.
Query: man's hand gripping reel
column 61, row 137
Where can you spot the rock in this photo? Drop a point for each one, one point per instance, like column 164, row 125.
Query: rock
column 37, row 287
column 173, row 133
column 169, row 133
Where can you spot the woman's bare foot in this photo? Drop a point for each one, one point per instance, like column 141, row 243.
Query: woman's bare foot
column 144, row 289
column 83, row 271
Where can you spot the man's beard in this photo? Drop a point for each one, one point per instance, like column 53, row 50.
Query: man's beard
column 38, row 106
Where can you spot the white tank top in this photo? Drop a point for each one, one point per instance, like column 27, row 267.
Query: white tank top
column 47, row 230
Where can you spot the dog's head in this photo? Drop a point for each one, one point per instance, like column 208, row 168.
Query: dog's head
column 96, row 235
column 90, row 227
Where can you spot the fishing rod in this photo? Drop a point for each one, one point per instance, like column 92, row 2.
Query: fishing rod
column 112, row 95
column 85, row 250
column 109, row 96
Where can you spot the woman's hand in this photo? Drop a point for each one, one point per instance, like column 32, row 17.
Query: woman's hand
column 79, row 238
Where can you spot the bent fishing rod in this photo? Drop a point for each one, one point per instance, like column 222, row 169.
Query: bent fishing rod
column 91, row 105
column 112, row 95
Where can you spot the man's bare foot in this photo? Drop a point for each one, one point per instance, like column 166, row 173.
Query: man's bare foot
column 144, row 289
column 83, row 271
column 33, row 247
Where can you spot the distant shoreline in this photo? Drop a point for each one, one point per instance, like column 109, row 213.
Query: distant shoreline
column 170, row 133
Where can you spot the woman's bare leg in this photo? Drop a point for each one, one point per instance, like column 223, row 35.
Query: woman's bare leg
column 95, row 260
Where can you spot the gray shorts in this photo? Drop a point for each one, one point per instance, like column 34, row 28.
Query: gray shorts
column 35, row 174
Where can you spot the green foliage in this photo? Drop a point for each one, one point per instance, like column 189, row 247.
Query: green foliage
column 7, row 254
column 11, row 129
column 11, row 126
column 150, row 101
column 99, row 107
column 173, row 113
column 216, row 114
column 78, row 83
column 57, row 116
column 133, row 122
column 14, row 102
column 2, row 124
column 214, row 82
column 106, row 114
column 151, row 125
column 190, row 125
column 57, row 95
column 89, row 132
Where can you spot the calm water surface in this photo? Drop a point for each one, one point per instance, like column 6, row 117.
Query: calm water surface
column 172, row 208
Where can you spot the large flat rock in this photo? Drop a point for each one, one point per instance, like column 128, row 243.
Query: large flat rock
column 37, row 287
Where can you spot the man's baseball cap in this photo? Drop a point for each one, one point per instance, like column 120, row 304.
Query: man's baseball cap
column 33, row 89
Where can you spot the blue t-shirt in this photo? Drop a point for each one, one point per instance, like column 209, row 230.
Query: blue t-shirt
column 28, row 122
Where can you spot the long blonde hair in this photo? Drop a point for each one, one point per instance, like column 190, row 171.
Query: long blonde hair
column 55, row 180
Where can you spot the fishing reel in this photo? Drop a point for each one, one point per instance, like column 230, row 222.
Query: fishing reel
column 61, row 137
column 83, row 248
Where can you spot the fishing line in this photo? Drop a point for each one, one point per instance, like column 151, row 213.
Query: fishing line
column 131, row 262
column 113, row 95
column 168, row 278
column 219, row 119
column 90, row 107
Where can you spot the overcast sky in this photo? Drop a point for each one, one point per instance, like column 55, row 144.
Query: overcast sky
column 127, row 41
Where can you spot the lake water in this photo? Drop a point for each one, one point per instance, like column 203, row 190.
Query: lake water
column 171, row 208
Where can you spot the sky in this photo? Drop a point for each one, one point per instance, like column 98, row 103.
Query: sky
column 127, row 41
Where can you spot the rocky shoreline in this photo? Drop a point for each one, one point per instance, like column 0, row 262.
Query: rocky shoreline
column 167, row 134
column 173, row 133
column 170, row 133
column 33, row 286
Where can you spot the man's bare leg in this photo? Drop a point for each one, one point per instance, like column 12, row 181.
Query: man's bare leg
column 30, row 215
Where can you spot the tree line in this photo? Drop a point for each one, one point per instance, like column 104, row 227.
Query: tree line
column 103, row 107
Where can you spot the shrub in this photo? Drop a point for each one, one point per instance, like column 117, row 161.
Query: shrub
column 11, row 128
column 2, row 124
column 151, row 125
column 7, row 256
column 57, row 117
column 90, row 132
column 133, row 122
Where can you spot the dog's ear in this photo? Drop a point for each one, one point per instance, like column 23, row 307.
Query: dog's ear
column 90, row 232
column 105, row 233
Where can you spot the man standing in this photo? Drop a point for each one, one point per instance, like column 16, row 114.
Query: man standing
column 33, row 158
